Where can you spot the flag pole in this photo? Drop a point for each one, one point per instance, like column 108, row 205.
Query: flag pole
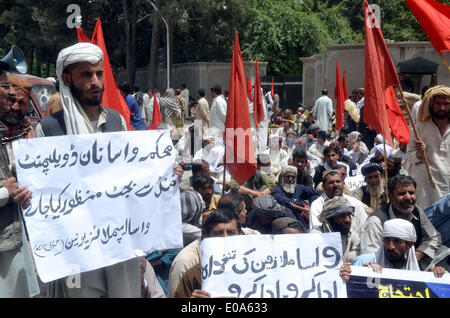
column 444, row 60
column 224, row 165
column 424, row 155
column 386, row 176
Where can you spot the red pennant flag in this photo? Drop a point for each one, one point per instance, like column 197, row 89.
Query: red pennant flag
column 249, row 89
column 271, row 90
column 156, row 118
column 344, row 85
column 434, row 18
column 111, row 96
column 81, row 36
column 258, row 107
column 239, row 152
column 380, row 103
column 340, row 99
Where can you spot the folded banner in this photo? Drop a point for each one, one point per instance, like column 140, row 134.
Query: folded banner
column 98, row 199
column 273, row 266
column 395, row 283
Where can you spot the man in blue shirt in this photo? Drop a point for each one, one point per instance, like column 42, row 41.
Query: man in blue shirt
column 295, row 196
column 136, row 120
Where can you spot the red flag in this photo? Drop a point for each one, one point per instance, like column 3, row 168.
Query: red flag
column 111, row 96
column 240, row 155
column 340, row 99
column 156, row 118
column 434, row 18
column 271, row 90
column 381, row 107
column 258, row 107
column 344, row 85
column 249, row 89
column 81, row 36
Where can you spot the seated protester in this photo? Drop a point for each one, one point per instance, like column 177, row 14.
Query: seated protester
column 358, row 148
column 343, row 145
column 190, row 256
column 317, row 148
column 262, row 182
column 294, row 196
column 304, row 129
column 334, row 186
column 203, row 184
column 396, row 252
column 192, row 207
column 331, row 155
column 200, row 167
column 287, row 226
column 402, row 198
column 373, row 194
column 343, row 170
column 299, row 118
column 378, row 141
column 236, row 202
column 265, row 210
column 345, row 159
column 207, row 145
column 311, row 135
column 220, row 223
column 289, row 142
column 287, row 125
column 394, row 166
column 378, row 154
column 336, row 216
column 276, row 118
column 277, row 155
column 300, row 161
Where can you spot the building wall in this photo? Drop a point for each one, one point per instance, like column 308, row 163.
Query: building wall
column 195, row 75
column 319, row 71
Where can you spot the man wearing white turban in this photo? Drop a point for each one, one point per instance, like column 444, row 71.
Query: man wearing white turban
column 397, row 251
column 80, row 74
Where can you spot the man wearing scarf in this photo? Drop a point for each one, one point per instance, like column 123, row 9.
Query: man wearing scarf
column 397, row 251
column 433, row 127
column 373, row 194
column 80, row 73
column 170, row 110
column 402, row 198
column 336, row 216
column 18, row 276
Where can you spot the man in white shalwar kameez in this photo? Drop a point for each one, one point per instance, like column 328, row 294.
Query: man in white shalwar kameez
column 218, row 113
column 323, row 110
column 434, row 131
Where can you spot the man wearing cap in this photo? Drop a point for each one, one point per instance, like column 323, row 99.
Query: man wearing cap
column 402, row 205
column 333, row 185
column 80, row 73
column 295, row 197
column 201, row 114
column 218, row 114
column 287, row 225
column 17, row 270
column 336, row 216
column 373, row 194
column 397, row 251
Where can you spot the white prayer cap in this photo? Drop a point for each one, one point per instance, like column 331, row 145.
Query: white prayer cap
column 80, row 52
column 399, row 228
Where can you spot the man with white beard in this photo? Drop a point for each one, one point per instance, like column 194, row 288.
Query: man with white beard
column 373, row 194
column 294, row 196
column 402, row 198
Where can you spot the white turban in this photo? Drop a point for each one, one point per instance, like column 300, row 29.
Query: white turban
column 403, row 230
column 73, row 113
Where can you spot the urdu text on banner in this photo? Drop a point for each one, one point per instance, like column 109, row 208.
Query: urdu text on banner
column 273, row 266
column 98, row 199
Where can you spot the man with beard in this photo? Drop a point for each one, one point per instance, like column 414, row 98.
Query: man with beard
column 397, row 251
column 18, row 274
column 373, row 194
column 80, row 73
column 294, row 196
column 333, row 185
column 433, row 127
column 336, row 216
column 402, row 198
column 204, row 185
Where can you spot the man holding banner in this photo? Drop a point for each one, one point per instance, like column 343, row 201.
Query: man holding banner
column 80, row 73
